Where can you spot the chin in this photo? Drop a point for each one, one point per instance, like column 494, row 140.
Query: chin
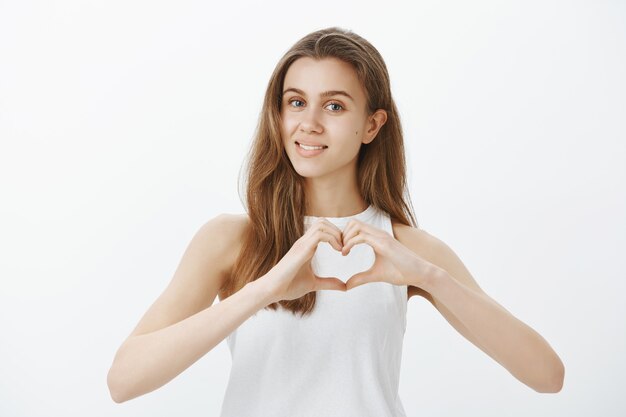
column 308, row 172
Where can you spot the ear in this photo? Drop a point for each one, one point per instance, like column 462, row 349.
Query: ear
column 375, row 122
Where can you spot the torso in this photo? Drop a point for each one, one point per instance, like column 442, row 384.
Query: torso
column 413, row 238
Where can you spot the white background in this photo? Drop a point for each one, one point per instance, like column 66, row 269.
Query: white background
column 124, row 125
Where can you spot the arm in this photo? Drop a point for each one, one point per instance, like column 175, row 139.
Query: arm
column 148, row 361
column 183, row 325
column 509, row 341
column 512, row 343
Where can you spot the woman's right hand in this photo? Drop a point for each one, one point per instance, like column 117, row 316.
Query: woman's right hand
column 292, row 277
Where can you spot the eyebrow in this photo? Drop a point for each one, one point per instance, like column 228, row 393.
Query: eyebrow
column 329, row 93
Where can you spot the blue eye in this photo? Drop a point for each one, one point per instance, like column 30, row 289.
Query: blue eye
column 336, row 104
column 336, row 110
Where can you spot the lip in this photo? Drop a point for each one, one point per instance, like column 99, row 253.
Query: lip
column 308, row 154
column 309, row 143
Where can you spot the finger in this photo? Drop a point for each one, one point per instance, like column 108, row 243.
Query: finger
column 362, row 237
column 331, row 224
column 354, row 231
column 357, row 229
column 350, row 230
column 325, row 236
column 335, row 231
column 329, row 283
column 354, row 226
column 360, row 279
column 323, row 233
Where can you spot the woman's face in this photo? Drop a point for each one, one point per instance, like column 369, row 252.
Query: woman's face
column 323, row 104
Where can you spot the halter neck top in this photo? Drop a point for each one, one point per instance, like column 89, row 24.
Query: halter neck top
column 341, row 360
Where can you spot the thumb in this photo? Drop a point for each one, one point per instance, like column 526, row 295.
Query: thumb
column 359, row 279
column 329, row 283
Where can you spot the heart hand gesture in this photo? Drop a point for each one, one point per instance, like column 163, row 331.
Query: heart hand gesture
column 394, row 263
column 292, row 277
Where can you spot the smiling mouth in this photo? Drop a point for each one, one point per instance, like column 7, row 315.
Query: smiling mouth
column 311, row 148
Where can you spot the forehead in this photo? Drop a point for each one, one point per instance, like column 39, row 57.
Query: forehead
column 315, row 76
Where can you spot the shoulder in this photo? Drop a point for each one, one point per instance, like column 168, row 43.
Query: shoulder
column 228, row 227
column 233, row 221
column 418, row 240
column 230, row 230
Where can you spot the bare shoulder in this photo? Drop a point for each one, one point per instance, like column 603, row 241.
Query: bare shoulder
column 233, row 228
column 234, row 223
column 419, row 240
column 226, row 227
column 200, row 274
column 208, row 260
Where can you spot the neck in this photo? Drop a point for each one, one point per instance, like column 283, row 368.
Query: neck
column 333, row 199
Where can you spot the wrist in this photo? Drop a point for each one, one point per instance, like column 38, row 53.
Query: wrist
column 263, row 290
column 432, row 279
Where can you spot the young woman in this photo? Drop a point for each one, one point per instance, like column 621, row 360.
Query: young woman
column 314, row 279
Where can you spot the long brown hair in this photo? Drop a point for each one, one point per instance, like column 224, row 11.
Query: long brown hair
column 275, row 199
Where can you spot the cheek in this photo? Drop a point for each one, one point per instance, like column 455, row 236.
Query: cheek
column 287, row 126
column 350, row 132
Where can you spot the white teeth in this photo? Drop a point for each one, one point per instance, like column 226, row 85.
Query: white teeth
column 310, row 148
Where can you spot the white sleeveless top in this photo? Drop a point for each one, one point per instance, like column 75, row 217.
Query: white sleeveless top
column 341, row 360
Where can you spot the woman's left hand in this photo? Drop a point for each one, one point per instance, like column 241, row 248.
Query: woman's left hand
column 394, row 263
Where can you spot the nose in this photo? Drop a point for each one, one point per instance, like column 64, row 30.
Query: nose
column 309, row 121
